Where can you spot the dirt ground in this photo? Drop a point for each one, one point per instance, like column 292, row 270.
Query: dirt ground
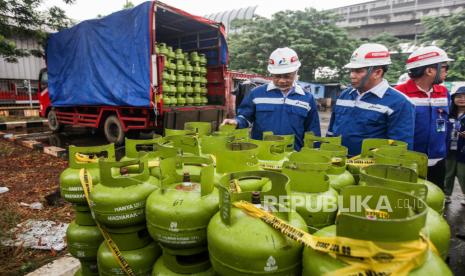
column 30, row 177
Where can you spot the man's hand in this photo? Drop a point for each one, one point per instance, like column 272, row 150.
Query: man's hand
column 229, row 122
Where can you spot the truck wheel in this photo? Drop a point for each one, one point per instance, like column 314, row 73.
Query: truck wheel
column 53, row 123
column 113, row 130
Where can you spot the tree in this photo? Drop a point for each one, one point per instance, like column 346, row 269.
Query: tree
column 397, row 68
column 311, row 33
column 22, row 18
column 447, row 33
column 128, row 5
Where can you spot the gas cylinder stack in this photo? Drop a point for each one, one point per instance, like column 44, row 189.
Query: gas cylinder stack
column 184, row 79
column 83, row 235
column 180, row 204
column 119, row 206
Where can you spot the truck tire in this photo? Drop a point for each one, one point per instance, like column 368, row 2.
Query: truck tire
column 113, row 130
column 53, row 122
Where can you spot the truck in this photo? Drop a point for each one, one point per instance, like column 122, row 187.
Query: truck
column 108, row 73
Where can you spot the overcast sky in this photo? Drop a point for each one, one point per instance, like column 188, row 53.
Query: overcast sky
column 86, row 9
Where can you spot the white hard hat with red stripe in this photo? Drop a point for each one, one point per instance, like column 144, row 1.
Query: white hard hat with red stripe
column 368, row 55
column 426, row 56
column 283, row 60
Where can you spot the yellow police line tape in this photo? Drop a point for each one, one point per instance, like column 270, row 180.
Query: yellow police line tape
column 86, row 182
column 84, row 158
column 363, row 257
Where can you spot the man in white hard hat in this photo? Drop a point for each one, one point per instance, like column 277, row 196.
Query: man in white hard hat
column 370, row 108
column 427, row 68
column 281, row 106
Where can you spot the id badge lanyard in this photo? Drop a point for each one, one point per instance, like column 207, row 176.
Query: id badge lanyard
column 440, row 121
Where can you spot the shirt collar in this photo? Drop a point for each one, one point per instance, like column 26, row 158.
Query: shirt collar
column 295, row 87
column 378, row 90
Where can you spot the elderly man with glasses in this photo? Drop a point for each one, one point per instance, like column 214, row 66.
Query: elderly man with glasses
column 281, row 106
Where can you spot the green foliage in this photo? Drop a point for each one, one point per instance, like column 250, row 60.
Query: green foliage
column 128, row 5
column 448, row 33
column 23, row 18
column 311, row 33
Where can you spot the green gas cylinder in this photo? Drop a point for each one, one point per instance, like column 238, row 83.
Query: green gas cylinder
column 271, row 152
column 187, row 144
column 369, row 147
column 79, row 158
column 237, row 157
column 419, row 162
column 134, row 147
column 240, row 135
column 339, row 176
column 202, row 60
column 194, row 57
column 199, row 128
column 243, row 245
column 204, row 100
column 312, row 141
column 406, row 180
column 179, row 212
column 214, row 143
column 140, row 260
column 163, row 49
column 179, row 54
column 311, row 193
column 192, row 262
column 402, row 223
column 83, row 215
column 83, row 241
column 119, row 200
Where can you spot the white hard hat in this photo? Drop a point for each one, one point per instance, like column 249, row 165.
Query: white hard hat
column 369, row 54
column 426, row 56
column 283, row 60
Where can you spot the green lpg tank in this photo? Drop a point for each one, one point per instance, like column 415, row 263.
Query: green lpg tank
column 243, row 245
column 271, row 152
column 403, row 223
column 79, row 158
column 199, row 128
column 119, row 199
column 194, row 262
column 419, row 162
column 179, row 212
column 311, row 194
column 312, row 141
column 240, row 135
column 406, row 180
column 369, row 147
column 150, row 150
column 83, row 242
column 140, row 260
column 339, row 176
column 238, row 157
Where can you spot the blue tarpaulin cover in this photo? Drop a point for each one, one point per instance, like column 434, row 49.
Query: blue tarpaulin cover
column 102, row 61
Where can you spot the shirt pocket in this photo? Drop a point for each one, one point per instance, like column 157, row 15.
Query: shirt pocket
column 298, row 111
column 372, row 118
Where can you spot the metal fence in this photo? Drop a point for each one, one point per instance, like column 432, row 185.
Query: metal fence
column 18, row 94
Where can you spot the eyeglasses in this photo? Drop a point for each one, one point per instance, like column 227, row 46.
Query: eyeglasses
column 287, row 76
column 445, row 66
